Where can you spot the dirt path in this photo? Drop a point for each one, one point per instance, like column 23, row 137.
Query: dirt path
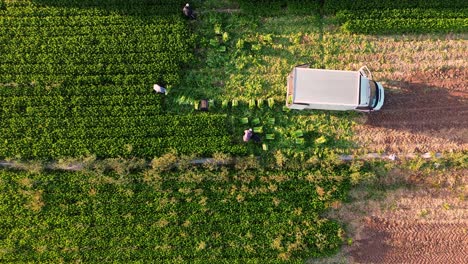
column 424, row 111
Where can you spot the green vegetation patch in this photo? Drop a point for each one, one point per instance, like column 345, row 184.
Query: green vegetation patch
column 259, row 55
column 91, row 46
column 134, row 7
column 333, row 6
column 279, row 7
column 78, row 134
column 248, row 82
column 168, row 217
column 404, row 21
column 375, row 16
column 76, row 78
column 396, row 17
column 410, row 25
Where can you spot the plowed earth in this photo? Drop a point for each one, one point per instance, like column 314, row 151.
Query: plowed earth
column 424, row 111
column 388, row 241
column 423, row 224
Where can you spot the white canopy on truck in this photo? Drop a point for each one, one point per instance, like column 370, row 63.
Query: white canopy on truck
column 323, row 89
column 333, row 90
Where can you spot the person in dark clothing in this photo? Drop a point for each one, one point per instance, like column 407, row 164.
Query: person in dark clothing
column 256, row 138
column 188, row 12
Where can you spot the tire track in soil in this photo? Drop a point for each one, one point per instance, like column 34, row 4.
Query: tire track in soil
column 389, row 241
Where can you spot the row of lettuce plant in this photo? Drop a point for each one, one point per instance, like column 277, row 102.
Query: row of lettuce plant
column 396, row 17
column 143, row 136
column 134, row 8
column 378, row 17
column 77, row 79
column 72, row 90
column 274, row 7
column 277, row 7
column 394, row 26
column 333, row 6
column 415, row 13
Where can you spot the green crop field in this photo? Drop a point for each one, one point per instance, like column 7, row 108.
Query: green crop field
column 197, row 216
column 76, row 80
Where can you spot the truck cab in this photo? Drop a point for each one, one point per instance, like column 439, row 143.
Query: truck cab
column 333, row 90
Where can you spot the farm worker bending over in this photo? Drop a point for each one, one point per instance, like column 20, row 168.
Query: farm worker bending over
column 247, row 134
column 159, row 89
column 188, row 12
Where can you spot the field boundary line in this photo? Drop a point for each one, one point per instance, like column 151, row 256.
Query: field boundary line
column 79, row 166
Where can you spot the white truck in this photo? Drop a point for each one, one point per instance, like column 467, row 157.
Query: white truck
column 333, row 90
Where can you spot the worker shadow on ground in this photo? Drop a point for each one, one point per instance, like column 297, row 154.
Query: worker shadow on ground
column 419, row 108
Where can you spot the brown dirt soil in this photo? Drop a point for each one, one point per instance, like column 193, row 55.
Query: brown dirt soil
column 387, row 241
column 423, row 111
column 418, row 225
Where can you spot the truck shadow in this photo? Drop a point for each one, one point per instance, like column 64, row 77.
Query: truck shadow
column 419, row 108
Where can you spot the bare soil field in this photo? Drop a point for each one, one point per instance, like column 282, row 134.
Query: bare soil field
column 393, row 241
column 425, row 110
column 419, row 225
column 426, row 101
